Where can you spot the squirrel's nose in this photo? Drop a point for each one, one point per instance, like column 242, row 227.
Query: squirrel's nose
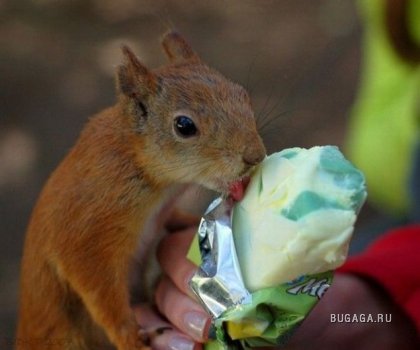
column 253, row 156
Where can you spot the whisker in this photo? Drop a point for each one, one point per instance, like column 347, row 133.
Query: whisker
column 261, row 114
column 248, row 76
column 273, row 107
column 276, row 118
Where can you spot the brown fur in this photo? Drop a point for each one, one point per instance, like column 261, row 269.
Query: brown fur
column 93, row 209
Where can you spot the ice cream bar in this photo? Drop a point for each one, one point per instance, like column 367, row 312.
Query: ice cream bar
column 266, row 261
column 297, row 215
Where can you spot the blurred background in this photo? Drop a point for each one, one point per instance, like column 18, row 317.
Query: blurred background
column 299, row 59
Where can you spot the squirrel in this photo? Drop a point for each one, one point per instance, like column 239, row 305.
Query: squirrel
column 178, row 124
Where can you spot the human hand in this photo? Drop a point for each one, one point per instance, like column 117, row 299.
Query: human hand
column 349, row 294
column 185, row 324
column 354, row 297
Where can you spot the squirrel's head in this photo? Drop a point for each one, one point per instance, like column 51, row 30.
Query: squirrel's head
column 194, row 125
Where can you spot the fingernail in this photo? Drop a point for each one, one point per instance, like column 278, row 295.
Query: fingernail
column 196, row 322
column 180, row 343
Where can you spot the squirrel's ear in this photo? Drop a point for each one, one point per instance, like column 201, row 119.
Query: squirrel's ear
column 133, row 78
column 177, row 48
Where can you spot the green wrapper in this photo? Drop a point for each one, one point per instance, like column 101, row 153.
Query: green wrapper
column 272, row 316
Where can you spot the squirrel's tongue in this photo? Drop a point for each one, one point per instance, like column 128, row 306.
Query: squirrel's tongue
column 237, row 189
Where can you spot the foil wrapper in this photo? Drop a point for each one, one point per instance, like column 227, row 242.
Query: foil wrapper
column 241, row 319
column 218, row 281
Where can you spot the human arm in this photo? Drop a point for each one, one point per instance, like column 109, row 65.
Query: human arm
column 349, row 294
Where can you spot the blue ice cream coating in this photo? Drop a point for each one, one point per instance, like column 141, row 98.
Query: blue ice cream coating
column 344, row 175
column 308, row 202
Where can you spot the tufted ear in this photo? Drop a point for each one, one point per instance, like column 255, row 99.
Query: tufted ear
column 133, row 78
column 177, row 48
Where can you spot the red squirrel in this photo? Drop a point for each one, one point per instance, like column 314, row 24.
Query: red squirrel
column 181, row 123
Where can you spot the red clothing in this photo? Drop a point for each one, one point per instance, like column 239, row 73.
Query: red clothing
column 393, row 261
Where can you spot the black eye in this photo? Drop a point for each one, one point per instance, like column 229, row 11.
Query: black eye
column 185, row 127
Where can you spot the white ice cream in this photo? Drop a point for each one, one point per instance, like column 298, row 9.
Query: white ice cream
column 297, row 215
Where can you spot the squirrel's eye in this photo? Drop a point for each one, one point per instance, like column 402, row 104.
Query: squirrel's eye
column 185, row 127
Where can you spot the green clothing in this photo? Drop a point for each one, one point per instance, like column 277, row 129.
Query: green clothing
column 385, row 121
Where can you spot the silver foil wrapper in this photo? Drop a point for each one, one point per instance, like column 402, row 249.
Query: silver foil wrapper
column 218, row 281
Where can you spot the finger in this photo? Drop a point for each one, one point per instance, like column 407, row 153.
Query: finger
column 187, row 315
column 148, row 318
column 174, row 341
column 165, row 335
column 181, row 220
column 171, row 253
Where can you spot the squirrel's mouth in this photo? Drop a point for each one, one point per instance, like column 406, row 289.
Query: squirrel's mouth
column 237, row 188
